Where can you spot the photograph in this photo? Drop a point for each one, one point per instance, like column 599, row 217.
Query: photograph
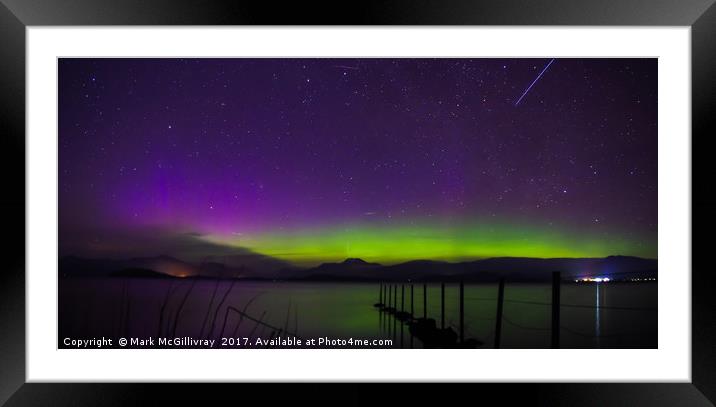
column 357, row 203
column 208, row 198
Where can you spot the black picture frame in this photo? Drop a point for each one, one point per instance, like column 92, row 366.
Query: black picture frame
column 16, row 15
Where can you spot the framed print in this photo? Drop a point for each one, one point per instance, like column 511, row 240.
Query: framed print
column 438, row 195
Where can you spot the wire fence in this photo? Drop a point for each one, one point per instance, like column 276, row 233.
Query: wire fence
column 470, row 331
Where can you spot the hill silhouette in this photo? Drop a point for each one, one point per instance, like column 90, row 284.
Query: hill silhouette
column 139, row 273
column 492, row 269
column 356, row 269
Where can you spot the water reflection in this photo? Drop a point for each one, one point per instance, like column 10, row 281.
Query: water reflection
column 597, row 329
column 91, row 307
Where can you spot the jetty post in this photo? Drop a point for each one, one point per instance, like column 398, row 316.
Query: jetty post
column 425, row 301
column 462, row 311
column 395, row 304
column 412, row 298
column 402, row 298
column 412, row 310
column 498, row 317
column 442, row 305
column 402, row 310
column 380, row 294
column 387, row 305
column 556, row 281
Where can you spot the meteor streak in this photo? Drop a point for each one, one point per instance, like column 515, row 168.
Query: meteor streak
column 533, row 82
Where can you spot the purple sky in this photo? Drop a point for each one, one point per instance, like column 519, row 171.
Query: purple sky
column 254, row 147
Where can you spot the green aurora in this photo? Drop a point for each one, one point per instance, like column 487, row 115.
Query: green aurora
column 447, row 242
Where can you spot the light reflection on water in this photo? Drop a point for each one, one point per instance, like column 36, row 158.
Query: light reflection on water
column 596, row 317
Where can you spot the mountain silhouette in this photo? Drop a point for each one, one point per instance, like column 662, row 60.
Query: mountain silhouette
column 356, row 269
column 139, row 273
column 239, row 266
column 352, row 261
column 491, row 269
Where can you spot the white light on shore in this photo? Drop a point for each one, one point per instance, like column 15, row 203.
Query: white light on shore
column 594, row 280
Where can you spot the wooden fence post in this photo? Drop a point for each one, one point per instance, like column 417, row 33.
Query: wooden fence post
column 556, row 281
column 498, row 317
column 402, row 298
column 462, row 312
column 442, row 305
column 412, row 298
column 425, row 301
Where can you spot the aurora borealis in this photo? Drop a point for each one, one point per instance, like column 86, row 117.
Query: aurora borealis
column 389, row 160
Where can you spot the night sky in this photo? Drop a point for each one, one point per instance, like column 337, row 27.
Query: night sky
column 313, row 160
